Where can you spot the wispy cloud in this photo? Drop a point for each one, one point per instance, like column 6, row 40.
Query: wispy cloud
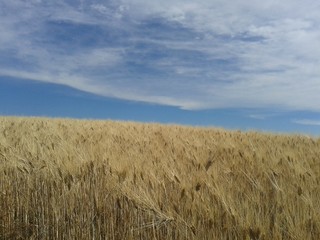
column 308, row 122
column 257, row 116
column 189, row 54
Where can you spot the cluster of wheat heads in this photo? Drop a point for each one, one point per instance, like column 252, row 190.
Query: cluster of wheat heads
column 77, row 179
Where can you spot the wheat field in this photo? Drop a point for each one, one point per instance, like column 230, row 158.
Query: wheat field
column 84, row 179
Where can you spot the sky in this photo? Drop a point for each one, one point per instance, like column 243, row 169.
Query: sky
column 247, row 65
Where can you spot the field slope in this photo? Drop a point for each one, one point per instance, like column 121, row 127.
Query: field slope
column 77, row 179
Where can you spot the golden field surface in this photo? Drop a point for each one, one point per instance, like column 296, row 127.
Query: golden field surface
column 81, row 179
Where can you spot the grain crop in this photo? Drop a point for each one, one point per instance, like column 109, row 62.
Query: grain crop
column 90, row 179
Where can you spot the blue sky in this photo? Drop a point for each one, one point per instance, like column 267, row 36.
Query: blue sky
column 245, row 65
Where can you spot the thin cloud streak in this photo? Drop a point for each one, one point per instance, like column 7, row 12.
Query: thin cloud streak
column 308, row 122
column 192, row 55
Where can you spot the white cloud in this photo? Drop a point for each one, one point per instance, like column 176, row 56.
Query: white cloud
column 258, row 116
column 100, row 8
column 96, row 58
column 202, row 54
column 103, row 89
column 308, row 122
